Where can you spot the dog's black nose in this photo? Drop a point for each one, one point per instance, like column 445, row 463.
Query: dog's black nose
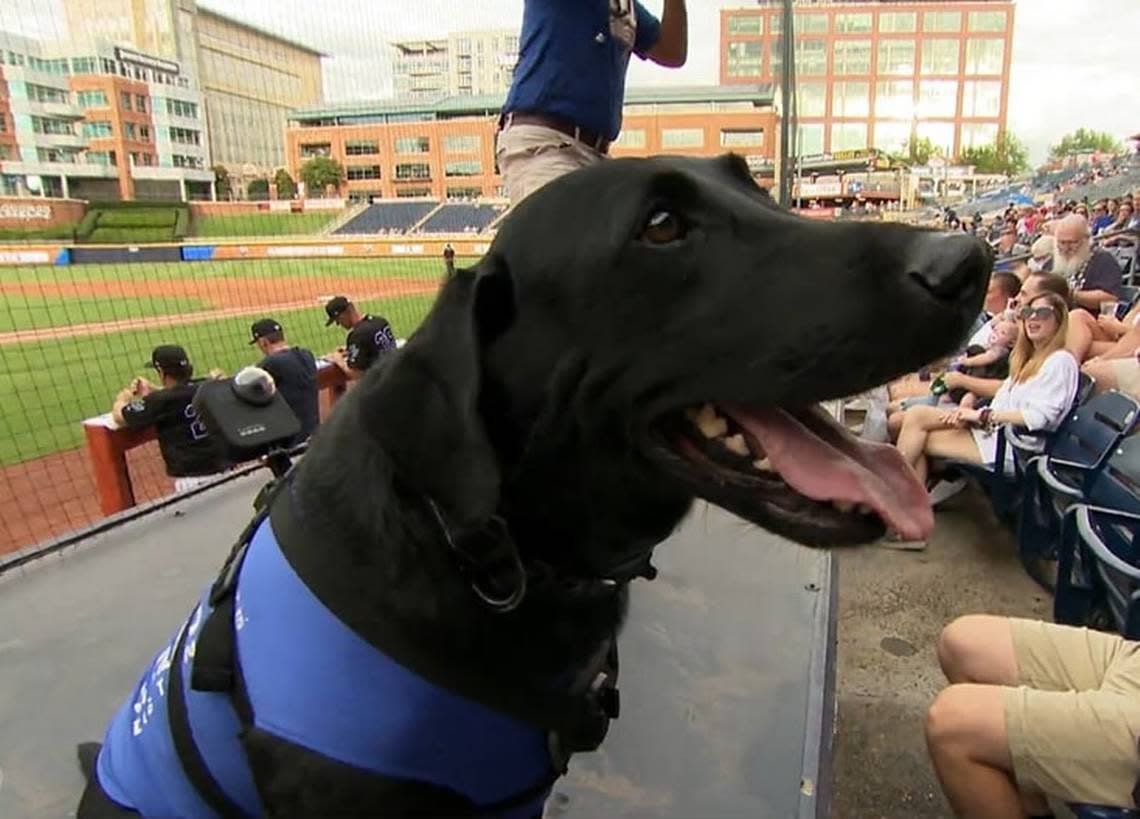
column 949, row 266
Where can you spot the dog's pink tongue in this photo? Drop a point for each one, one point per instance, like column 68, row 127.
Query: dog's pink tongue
column 841, row 467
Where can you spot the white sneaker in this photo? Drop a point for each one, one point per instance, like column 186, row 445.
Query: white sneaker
column 944, row 490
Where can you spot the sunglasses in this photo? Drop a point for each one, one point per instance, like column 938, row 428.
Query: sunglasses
column 1039, row 313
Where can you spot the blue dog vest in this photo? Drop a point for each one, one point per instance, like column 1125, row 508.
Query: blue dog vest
column 315, row 683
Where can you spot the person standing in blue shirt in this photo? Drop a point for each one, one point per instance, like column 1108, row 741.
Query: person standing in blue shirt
column 564, row 107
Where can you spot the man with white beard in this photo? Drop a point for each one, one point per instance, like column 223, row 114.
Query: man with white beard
column 1092, row 273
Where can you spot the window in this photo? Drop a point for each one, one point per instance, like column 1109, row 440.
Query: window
column 940, row 133
column 986, row 21
column 811, row 99
column 810, row 24
column 630, row 138
column 357, row 172
column 97, row 129
column 91, row 99
column 182, row 161
column 894, row 99
column 851, row 99
column 130, row 131
column 178, row 108
column 361, row 148
column 939, row 56
column 144, row 133
column 464, row 168
column 311, row 149
column 45, row 125
column 775, row 56
column 104, row 158
column 140, row 103
column 897, row 22
column 745, row 24
column 975, row 134
column 682, row 137
column 852, row 57
column 896, row 57
column 985, row 56
column 42, row 93
column 848, row 136
column 852, row 23
column 413, row 145
column 942, row 21
column 125, row 100
column 413, row 193
column 892, row 136
column 742, row 139
column 811, row 58
column 937, row 98
column 981, row 99
column 465, row 144
column 84, row 65
column 413, row 170
column 142, row 158
column 810, row 138
column 464, row 193
column 184, row 136
column 745, row 58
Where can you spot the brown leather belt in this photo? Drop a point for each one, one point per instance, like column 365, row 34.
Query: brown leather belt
column 591, row 139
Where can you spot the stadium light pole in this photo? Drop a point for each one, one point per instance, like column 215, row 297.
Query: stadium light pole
column 787, row 98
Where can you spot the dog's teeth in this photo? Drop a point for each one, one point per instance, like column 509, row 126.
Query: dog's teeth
column 843, row 506
column 736, row 443
column 863, row 509
column 709, row 423
column 763, row 465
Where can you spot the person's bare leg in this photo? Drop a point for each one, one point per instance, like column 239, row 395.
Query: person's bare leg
column 978, row 648
column 1079, row 338
column 1103, row 373
column 969, row 748
column 916, row 426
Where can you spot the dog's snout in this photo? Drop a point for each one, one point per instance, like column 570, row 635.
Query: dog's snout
column 950, row 267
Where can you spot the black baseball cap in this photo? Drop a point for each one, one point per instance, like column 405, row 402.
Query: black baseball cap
column 334, row 307
column 263, row 327
column 169, row 357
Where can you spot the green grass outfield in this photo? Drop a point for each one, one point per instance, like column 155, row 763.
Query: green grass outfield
column 262, row 224
column 48, row 387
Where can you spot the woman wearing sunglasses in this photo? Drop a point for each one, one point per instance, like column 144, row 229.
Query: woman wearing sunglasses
column 1041, row 386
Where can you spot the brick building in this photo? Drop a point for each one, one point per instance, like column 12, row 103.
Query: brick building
column 873, row 74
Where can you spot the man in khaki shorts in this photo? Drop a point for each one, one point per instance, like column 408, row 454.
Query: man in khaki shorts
column 564, row 106
column 1034, row 710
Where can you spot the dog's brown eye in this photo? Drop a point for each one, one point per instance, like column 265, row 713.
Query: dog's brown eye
column 662, row 227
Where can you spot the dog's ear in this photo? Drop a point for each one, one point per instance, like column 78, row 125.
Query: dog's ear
column 426, row 402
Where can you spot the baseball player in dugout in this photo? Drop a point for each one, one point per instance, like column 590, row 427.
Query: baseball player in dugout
column 369, row 337
column 565, row 104
column 192, row 455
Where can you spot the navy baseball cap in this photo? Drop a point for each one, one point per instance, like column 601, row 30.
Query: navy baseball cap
column 263, row 327
column 335, row 306
column 169, row 357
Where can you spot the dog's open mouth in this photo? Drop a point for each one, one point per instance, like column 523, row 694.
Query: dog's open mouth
column 798, row 473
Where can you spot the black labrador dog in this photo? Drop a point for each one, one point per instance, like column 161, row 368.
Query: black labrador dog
column 423, row 622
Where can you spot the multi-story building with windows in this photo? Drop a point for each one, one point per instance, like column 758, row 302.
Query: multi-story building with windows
column 875, row 74
column 465, row 63
column 446, row 148
column 112, row 123
column 249, row 78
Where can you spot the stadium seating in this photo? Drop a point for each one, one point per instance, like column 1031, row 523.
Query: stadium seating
column 388, row 217
column 462, row 217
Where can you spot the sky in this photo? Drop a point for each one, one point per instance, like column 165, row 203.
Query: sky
column 1073, row 62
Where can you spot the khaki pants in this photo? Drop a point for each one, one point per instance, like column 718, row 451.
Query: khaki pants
column 1074, row 720
column 529, row 156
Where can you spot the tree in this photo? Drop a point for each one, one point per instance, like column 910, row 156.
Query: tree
column 222, row 184
column 917, row 152
column 1007, row 155
column 320, row 172
column 257, row 189
column 286, row 187
column 1084, row 140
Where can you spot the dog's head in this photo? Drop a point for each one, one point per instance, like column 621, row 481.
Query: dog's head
column 649, row 330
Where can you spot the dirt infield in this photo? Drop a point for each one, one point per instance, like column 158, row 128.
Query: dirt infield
column 229, row 296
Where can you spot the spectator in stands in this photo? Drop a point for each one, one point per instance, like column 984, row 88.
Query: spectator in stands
column 369, row 337
column 1007, row 244
column 1042, row 383
column 1041, row 254
column 1123, row 218
column 449, row 259
column 294, row 370
column 1034, row 709
column 191, row 454
column 1092, row 273
column 1100, row 218
column 564, row 106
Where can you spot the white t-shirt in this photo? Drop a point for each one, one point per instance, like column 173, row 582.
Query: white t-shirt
column 1043, row 400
